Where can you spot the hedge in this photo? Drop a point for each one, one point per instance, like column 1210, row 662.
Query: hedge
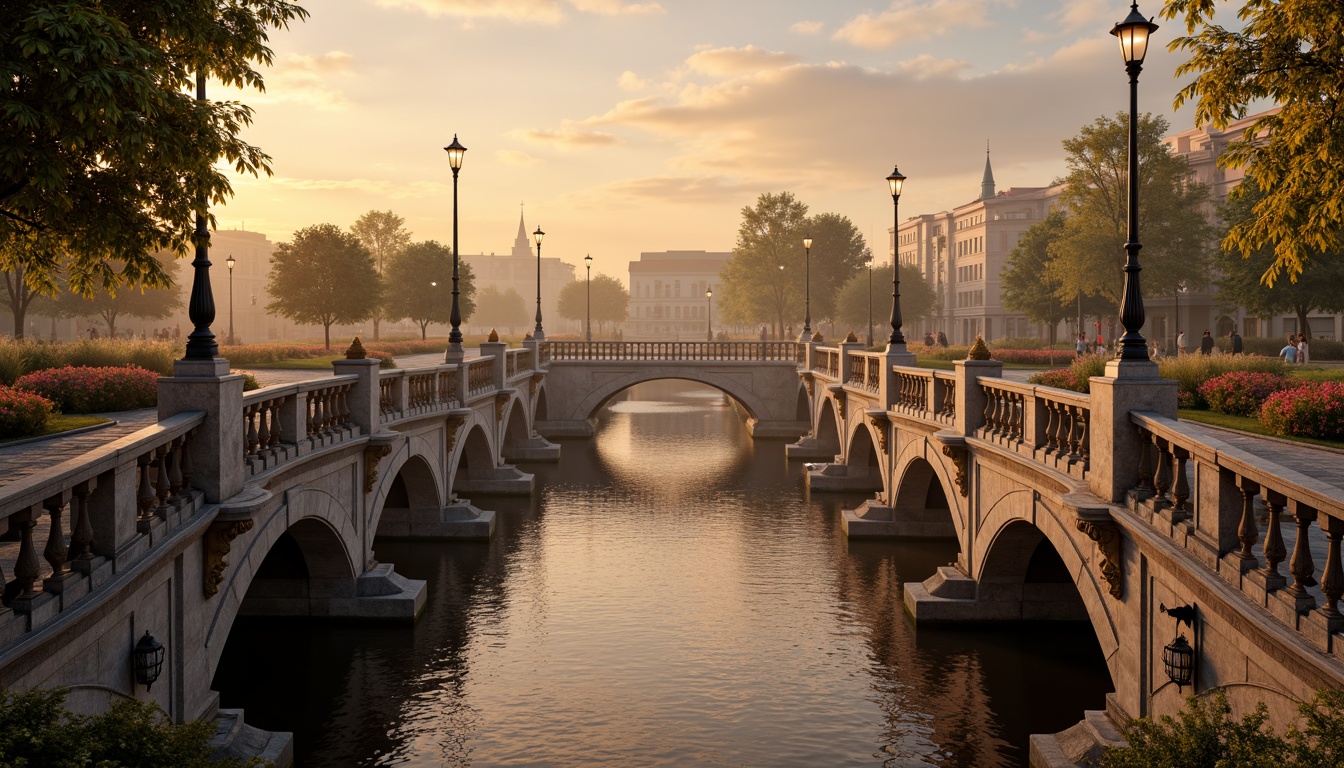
column 94, row 390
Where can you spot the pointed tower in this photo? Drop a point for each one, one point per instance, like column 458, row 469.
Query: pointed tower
column 522, row 244
column 987, row 183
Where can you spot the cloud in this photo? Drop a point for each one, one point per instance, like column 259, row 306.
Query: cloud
column 807, row 27
column 516, row 157
column 725, row 62
column 523, row 11
column 914, row 20
column 924, row 65
column 629, row 81
column 685, row 190
column 303, row 79
column 396, row 190
column 566, row 138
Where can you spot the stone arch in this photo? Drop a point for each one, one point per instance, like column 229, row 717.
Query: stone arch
column 827, row 430
column 921, row 493
column 539, row 410
column 750, row 402
column 412, row 484
column 802, row 410
column 863, row 461
column 310, row 520
column 516, row 428
column 475, row 460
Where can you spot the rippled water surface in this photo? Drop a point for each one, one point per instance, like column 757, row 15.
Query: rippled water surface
column 671, row 597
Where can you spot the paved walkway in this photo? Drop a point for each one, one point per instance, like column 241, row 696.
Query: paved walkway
column 20, row 461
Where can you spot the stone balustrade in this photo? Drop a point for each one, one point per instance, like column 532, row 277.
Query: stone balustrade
column 1048, row 425
column 675, row 351
column 479, row 376
column 865, row 370
column 283, row 422
column 826, row 362
column 518, row 363
column 404, row 393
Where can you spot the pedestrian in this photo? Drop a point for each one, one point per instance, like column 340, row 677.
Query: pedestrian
column 1236, row 342
column 93, row 332
column 942, row 340
column 1302, row 356
column 1080, row 345
column 928, row 338
column 1289, row 352
column 1180, row 344
column 1206, row 343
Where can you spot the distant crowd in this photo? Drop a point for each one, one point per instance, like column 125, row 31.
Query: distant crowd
column 159, row 334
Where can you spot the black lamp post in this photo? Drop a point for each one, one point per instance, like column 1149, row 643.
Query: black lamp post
column 538, row 333
column 1133, row 34
column 147, row 660
column 807, row 289
column 230, row 262
column 870, row 298
column 709, row 314
column 896, row 181
column 588, row 298
column 201, row 344
column 454, row 354
column 1178, row 657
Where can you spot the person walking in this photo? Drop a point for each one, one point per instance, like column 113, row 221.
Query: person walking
column 942, row 340
column 1289, row 352
column 1302, row 356
column 1236, row 342
column 1080, row 345
column 1180, row 344
column 1206, row 343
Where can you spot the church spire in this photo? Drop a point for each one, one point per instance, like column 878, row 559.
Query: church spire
column 987, row 183
column 522, row 246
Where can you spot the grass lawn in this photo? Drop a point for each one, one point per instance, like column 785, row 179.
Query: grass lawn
column 59, row 424
column 946, row 365
column 306, row 364
column 1247, row 424
column 1319, row 374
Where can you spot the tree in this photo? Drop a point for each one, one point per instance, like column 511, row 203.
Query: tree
column 384, row 234
column 611, row 301
column 324, row 276
column 105, row 153
column 1027, row 285
column 852, row 300
column 1177, row 237
column 1287, row 54
column 838, row 253
column 418, row 285
column 128, row 300
column 30, row 272
column 1319, row 286
column 498, row 309
column 761, row 282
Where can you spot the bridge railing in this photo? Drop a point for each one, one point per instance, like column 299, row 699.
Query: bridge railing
column 826, row 361
column 407, row 392
column 282, row 422
column 943, row 401
column 675, row 351
column 1048, row 425
column 480, row 379
column 119, row 501
column 518, row 362
column 865, row 370
column 1202, row 493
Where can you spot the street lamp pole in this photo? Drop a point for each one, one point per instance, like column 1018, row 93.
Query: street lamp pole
column 709, row 314
column 1133, row 34
column 870, row 299
column 538, row 333
column 896, row 182
column 230, row 262
column 455, row 354
column 201, row 344
column 588, row 299
column 807, row 289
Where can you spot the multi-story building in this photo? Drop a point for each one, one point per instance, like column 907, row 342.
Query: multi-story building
column 517, row 270
column 667, row 294
column 961, row 254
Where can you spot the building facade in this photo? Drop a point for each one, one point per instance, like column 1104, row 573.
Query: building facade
column 517, row 271
column 667, row 294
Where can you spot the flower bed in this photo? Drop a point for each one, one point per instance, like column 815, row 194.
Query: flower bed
column 94, row 390
column 23, row 413
column 22, row 357
column 1191, row 371
column 1312, row 410
column 1241, row 393
column 1022, row 356
column 1076, row 377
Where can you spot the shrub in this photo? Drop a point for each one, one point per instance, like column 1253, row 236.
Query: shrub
column 1061, row 378
column 94, row 390
column 249, row 381
column 1191, row 371
column 1321, row 349
column 23, row 413
column 22, row 357
column 1241, row 393
column 1311, row 410
column 11, row 361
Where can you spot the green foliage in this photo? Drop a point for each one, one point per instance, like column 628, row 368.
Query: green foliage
column 755, row 287
column 106, row 151
column 1204, row 735
column 611, row 301
column 384, row 233
column 1077, row 376
column 501, row 310
column 323, row 276
column 418, row 285
column 1191, row 371
column 18, row 357
column 130, row 299
column 94, row 390
column 1027, row 285
column 1314, row 409
column 1288, row 54
column 1088, row 254
column 23, row 413
column 838, row 256
column 37, row 730
column 851, row 301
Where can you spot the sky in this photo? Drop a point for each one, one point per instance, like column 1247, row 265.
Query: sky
column 647, row 125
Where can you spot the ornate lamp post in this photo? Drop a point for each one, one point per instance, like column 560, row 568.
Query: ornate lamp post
column 538, row 333
column 230, row 262
column 1133, row 34
column 588, row 299
column 709, row 314
column 896, row 182
column 201, row 344
column 807, row 289
column 454, row 354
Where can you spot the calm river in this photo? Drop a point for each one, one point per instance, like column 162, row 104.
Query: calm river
column 670, row 597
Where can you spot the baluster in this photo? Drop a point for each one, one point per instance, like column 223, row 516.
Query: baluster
column 81, row 525
column 55, row 551
column 1162, row 471
column 1247, row 531
column 345, row 404
column 319, row 412
column 1180, row 488
column 27, row 567
column 251, row 440
column 276, row 430
column 1074, row 432
column 309, row 405
column 263, row 429
column 161, row 485
column 1274, row 548
column 1019, row 410
column 1301, row 566
column 145, row 498
column 1332, row 580
column 1051, row 428
column 1145, row 462
column 185, row 461
column 175, row 467
column 1084, row 422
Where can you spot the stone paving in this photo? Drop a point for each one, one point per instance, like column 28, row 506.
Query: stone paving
column 19, row 461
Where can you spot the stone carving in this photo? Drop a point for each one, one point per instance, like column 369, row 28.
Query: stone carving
column 957, row 454
column 372, row 455
column 532, row 385
column 218, row 539
column 978, row 350
column 816, row 336
column 840, row 406
column 453, row 424
column 808, row 383
column 880, row 423
column 527, row 337
column 501, row 400
column 493, row 337
column 356, row 351
column 1107, row 536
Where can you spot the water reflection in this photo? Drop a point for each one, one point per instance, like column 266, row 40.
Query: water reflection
column 670, row 597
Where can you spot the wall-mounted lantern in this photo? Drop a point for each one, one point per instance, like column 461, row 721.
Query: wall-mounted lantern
column 1178, row 657
column 147, row 658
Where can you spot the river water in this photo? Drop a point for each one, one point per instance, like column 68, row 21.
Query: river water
column 671, row 596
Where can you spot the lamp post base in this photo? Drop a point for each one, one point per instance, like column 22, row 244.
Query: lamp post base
column 1131, row 369
column 455, row 353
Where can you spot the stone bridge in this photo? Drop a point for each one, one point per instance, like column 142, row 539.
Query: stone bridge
column 1101, row 508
